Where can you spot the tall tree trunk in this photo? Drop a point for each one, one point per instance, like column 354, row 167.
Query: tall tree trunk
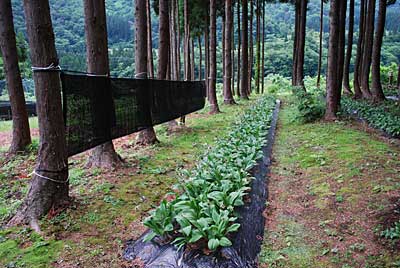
column 263, row 48
column 239, row 52
column 172, row 40
column 172, row 73
column 367, row 52
column 148, row 135
column 358, row 61
column 250, row 48
column 332, row 82
column 346, row 72
column 150, row 61
column 21, row 136
column 223, row 43
column 104, row 155
column 186, row 48
column 200, row 58
column 233, row 51
column 258, row 46
column 213, row 58
column 376, row 87
column 192, row 64
column 187, row 41
column 341, row 46
column 163, row 34
column 228, row 97
column 207, row 61
column 178, row 44
column 244, row 83
column 296, row 42
column 321, row 33
column 49, row 185
column 301, row 43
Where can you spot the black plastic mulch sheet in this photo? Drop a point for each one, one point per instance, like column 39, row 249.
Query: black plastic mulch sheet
column 99, row 109
column 246, row 242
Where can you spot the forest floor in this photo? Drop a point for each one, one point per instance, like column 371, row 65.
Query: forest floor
column 109, row 205
column 333, row 188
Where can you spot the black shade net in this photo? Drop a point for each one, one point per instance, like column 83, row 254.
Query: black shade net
column 99, row 109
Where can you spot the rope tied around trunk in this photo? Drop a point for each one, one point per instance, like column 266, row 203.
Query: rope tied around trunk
column 51, row 68
column 37, row 173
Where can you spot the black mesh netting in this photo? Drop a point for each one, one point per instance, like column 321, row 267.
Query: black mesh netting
column 99, row 109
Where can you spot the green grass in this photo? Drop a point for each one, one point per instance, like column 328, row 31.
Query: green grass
column 109, row 205
column 7, row 125
column 325, row 170
column 27, row 249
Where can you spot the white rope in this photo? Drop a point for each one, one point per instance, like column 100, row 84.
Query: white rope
column 47, row 178
column 51, row 67
column 142, row 75
column 97, row 75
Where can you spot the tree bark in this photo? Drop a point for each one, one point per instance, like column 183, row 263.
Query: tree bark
column 103, row 156
column 250, row 48
column 367, row 51
column 346, row 71
column 321, row 33
column 244, row 83
column 233, row 51
column 263, row 48
column 187, row 41
column 223, row 44
column 207, row 55
column 163, row 46
column 172, row 40
column 21, row 136
column 43, row 193
column 296, row 42
column 200, row 58
column 192, row 64
column 148, row 135
column 213, row 58
column 178, row 44
column 332, row 82
column 301, row 44
column 258, row 46
column 149, row 41
column 358, row 61
column 238, row 54
column 228, row 97
column 341, row 47
column 376, row 86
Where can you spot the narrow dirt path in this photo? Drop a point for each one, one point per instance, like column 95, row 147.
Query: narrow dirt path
column 333, row 189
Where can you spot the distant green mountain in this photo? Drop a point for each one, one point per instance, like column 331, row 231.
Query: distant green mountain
column 68, row 23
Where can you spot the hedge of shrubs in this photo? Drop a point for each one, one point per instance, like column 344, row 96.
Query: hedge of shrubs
column 385, row 117
column 203, row 215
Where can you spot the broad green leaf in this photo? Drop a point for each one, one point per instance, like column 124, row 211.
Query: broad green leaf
column 213, row 244
column 225, row 242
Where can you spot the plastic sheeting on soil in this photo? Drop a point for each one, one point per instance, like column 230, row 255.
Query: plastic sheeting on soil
column 246, row 242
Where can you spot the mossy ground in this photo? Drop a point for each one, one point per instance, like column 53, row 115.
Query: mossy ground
column 330, row 184
column 109, row 205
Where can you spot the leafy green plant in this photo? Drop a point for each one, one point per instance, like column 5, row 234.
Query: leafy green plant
column 204, row 212
column 393, row 232
column 160, row 221
column 310, row 106
column 384, row 116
